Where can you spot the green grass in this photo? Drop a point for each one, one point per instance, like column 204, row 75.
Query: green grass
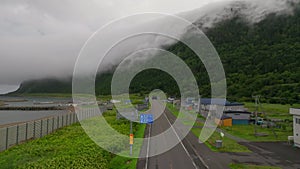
column 246, row 166
column 69, row 147
column 279, row 111
column 172, row 109
column 127, row 163
column 247, row 132
column 229, row 145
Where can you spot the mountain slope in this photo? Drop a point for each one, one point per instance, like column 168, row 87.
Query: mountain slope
column 260, row 58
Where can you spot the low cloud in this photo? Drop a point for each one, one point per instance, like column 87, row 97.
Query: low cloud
column 43, row 38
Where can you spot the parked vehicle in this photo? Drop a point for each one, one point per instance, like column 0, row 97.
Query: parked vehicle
column 260, row 121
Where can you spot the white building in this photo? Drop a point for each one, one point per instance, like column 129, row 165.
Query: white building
column 296, row 114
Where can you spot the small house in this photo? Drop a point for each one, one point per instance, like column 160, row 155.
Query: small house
column 208, row 103
column 238, row 117
column 234, row 106
column 225, row 121
column 296, row 126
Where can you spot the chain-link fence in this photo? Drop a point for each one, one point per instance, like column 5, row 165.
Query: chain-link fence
column 16, row 134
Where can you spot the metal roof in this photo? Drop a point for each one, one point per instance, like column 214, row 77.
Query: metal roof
column 219, row 101
column 233, row 112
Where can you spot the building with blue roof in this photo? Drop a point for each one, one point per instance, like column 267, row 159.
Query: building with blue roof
column 234, row 110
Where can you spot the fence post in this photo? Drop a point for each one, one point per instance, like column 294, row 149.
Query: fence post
column 26, row 134
column 41, row 132
column 6, row 145
column 17, row 139
column 47, row 126
column 52, row 124
column 57, row 125
column 73, row 120
column 67, row 119
column 34, row 129
column 62, row 121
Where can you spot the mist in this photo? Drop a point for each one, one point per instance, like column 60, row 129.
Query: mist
column 41, row 39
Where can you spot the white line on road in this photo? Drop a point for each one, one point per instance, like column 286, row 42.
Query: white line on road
column 148, row 145
column 181, row 142
column 201, row 159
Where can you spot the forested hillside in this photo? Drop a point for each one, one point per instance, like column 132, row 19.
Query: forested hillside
column 259, row 59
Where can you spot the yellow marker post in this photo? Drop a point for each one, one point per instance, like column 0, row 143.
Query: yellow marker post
column 131, row 142
column 131, row 139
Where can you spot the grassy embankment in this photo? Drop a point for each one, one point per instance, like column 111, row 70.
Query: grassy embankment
column 229, row 145
column 277, row 111
column 247, row 132
column 70, row 147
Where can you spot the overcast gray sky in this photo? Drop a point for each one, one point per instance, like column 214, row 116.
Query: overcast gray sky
column 41, row 38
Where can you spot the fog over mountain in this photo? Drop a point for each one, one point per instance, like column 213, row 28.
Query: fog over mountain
column 43, row 38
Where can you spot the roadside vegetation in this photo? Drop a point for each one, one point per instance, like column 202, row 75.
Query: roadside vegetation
column 280, row 132
column 229, row 145
column 247, row 132
column 278, row 111
column 70, row 147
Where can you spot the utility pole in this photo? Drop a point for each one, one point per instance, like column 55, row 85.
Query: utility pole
column 199, row 105
column 257, row 103
column 256, row 111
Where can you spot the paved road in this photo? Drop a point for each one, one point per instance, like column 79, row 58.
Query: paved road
column 182, row 156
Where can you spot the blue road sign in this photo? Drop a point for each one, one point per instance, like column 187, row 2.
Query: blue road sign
column 146, row 118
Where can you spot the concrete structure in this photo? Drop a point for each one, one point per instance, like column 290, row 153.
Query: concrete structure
column 239, row 117
column 296, row 114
